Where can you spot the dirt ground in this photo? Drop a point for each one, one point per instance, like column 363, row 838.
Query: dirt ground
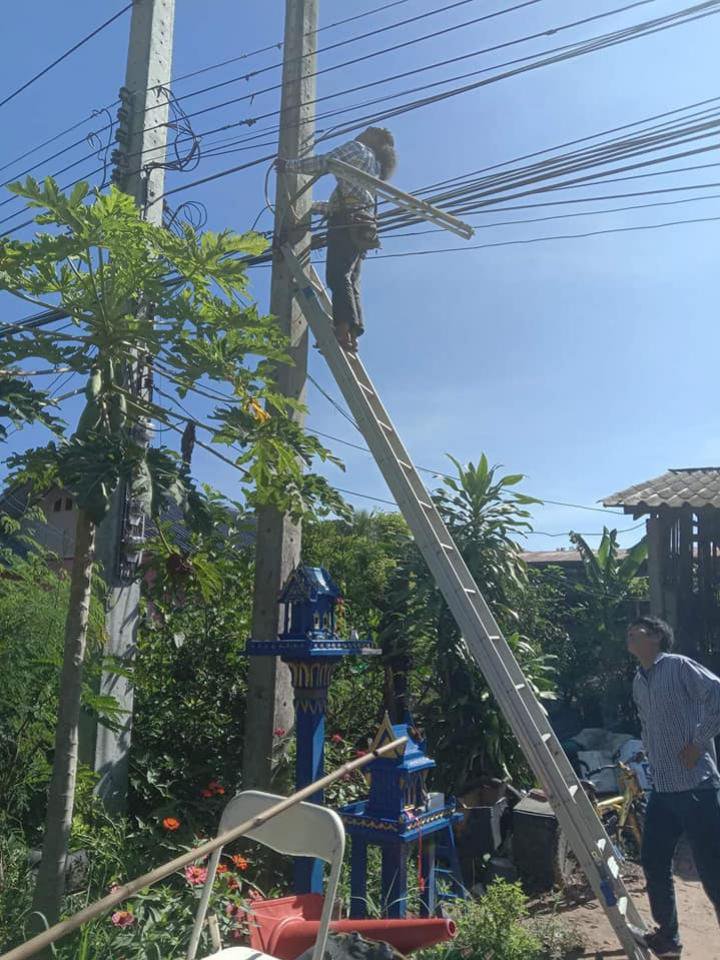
column 698, row 924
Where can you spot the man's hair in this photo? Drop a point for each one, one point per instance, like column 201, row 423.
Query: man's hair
column 658, row 628
column 382, row 144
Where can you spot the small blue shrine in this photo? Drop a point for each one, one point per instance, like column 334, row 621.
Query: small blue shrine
column 398, row 812
column 310, row 646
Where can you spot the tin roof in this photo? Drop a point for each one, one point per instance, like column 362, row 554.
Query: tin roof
column 695, row 487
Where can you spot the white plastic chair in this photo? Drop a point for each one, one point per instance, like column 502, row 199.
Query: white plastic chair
column 305, row 830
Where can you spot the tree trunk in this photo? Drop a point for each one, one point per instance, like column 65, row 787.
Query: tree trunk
column 50, row 884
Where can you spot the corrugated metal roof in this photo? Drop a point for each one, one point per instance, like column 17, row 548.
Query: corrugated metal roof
column 694, row 487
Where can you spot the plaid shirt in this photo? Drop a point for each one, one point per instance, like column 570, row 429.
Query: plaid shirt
column 678, row 701
column 346, row 193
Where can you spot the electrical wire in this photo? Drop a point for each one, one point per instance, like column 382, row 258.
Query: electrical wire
column 65, row 55
column 661, row 23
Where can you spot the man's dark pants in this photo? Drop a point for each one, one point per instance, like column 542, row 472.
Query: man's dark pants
column 696, row 813
column 342, row 272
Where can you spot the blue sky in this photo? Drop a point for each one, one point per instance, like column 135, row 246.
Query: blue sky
column 588, row 364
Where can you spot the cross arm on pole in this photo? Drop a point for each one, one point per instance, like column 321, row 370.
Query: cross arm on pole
column 421, row 208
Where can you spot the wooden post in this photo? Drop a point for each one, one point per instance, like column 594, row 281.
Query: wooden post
column 269, row 698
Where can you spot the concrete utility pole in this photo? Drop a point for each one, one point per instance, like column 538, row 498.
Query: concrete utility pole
column 144, row 104
column 269, row 698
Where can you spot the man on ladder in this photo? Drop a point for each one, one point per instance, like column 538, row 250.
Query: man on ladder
column 352, row 221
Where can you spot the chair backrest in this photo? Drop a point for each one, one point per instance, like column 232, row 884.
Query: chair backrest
column 304, row 830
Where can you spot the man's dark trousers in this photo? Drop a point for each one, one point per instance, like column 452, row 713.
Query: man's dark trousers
column 696, row 813
column 342, row 272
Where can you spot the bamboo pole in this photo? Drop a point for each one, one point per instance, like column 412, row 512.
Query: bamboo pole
column 127, row 890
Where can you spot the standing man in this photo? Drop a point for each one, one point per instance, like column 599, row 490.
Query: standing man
column 679, row 706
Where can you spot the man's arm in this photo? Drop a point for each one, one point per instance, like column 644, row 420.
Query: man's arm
column 704, row 686
column 318, row 164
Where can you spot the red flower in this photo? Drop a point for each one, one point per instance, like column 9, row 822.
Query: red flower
column 234, row 911
column 170, row 823
column 361, row 753
column 240, row 862
column 233, row 884
column 206, row 794
column 122, row 918
column 196, row 876
column 336, row 738
column 222, row 868
column 216, row 787
column 279, row 732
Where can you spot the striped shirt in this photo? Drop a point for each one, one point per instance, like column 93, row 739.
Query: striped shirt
column 346, row 193
column 678, row 701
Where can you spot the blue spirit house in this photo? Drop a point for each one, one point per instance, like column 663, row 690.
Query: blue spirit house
column 310, row 646
column 398, row 813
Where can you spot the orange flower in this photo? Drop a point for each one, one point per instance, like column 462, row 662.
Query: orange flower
column 222, row 868
column 216, row 787
column 240, row 862
column 233, row 884
column 170, row 823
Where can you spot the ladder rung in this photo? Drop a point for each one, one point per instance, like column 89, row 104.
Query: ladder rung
column 470, row 590
column 408, row 466
column 427, row 506
column 520, row 686
column 601, row 844
column 385, row 426
column 573, row 789
column 367, row 389
column 546, row 736
column 447, row 546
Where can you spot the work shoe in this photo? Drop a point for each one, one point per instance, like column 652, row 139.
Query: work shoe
column 661, row 945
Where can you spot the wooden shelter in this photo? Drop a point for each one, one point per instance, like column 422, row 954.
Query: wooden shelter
column 683, row 531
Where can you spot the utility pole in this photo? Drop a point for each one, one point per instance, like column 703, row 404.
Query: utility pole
column 144, row 104
column 270, row 697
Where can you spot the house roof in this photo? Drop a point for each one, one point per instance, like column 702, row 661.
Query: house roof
column 695, row 487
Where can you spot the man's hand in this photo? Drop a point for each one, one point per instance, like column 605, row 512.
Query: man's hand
column 690, row 755
column 280, row 165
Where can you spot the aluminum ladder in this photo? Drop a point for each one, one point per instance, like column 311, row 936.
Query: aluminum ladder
column 515, row 697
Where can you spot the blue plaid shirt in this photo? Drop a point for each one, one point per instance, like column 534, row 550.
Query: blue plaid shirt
column 678, row 701
column 346, row 193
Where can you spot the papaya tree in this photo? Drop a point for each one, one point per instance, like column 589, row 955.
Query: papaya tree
column 136, row 294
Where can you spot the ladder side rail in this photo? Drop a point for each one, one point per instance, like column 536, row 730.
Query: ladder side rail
column 426, row 210
column 388, row 449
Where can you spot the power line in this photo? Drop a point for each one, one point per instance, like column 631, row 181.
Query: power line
column 65, row 55
column 586, row 46
column 273, row 46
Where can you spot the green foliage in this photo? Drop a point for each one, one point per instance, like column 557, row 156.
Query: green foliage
column 593, row 668
column 21, row 403
column 190, row 670
column 490, row 928
column 33, row 598
column 130, row 286
column 466, row 730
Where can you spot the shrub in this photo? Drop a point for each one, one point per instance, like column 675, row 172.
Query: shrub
column 490, row 927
